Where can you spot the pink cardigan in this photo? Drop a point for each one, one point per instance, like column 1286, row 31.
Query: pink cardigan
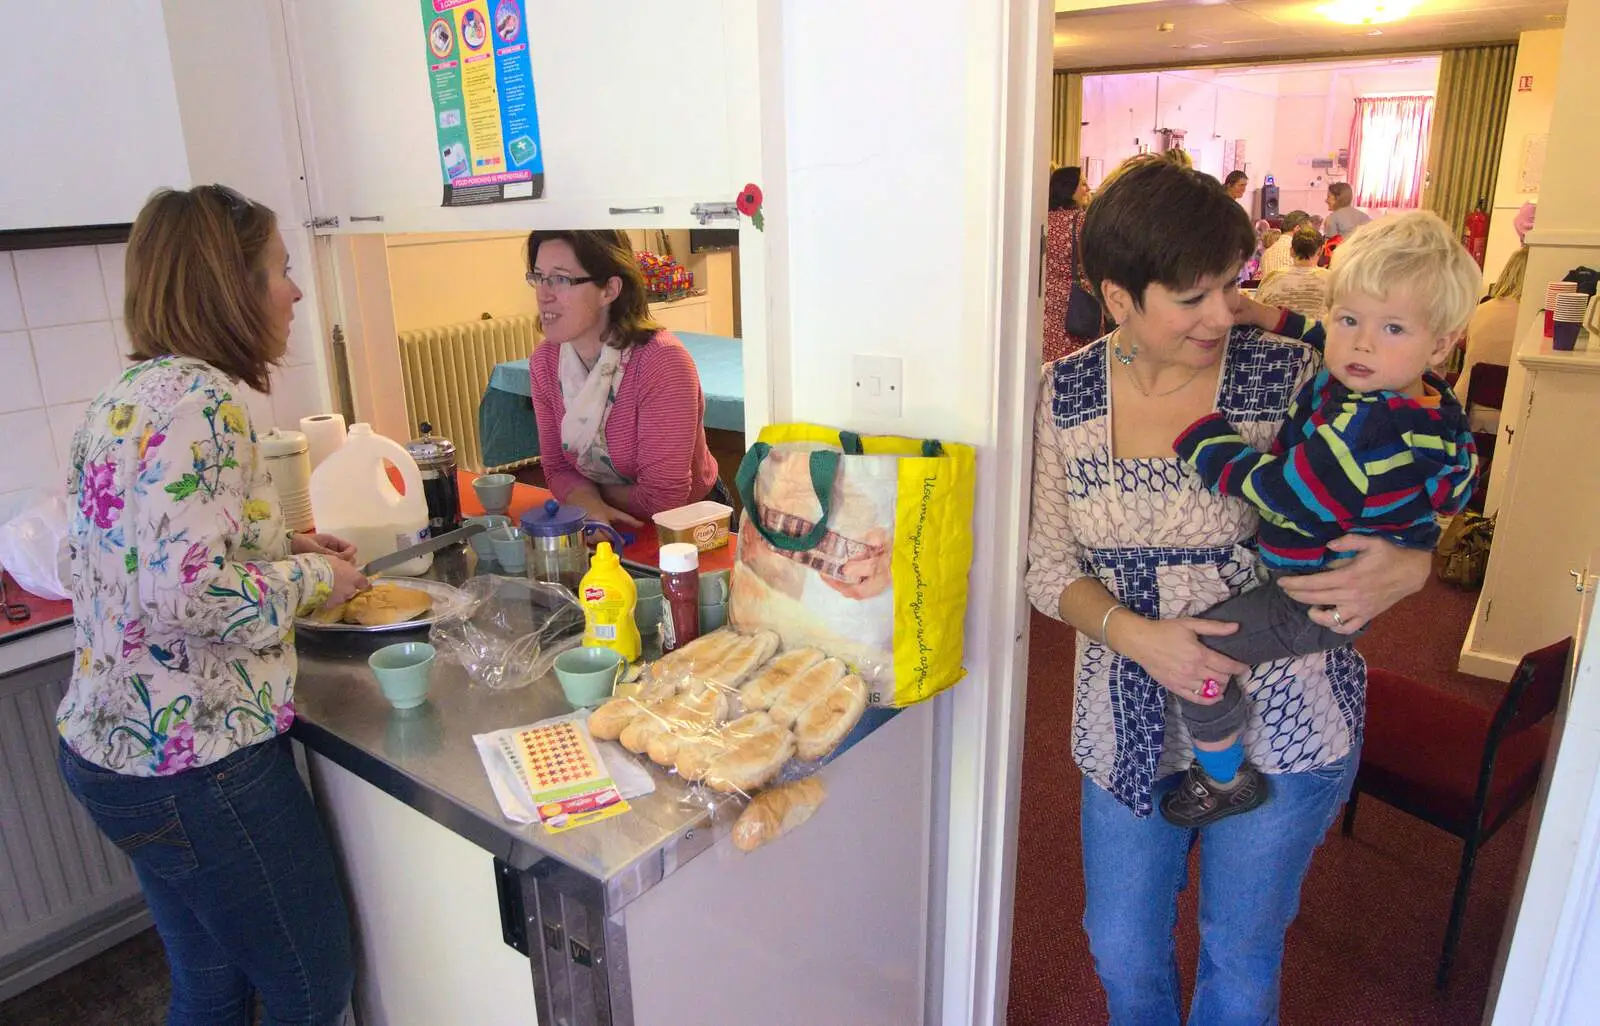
column 655, row 432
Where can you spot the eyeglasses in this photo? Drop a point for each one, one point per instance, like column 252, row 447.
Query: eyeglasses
column 557, row 282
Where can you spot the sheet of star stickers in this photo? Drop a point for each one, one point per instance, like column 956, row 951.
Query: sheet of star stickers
column 565, row 778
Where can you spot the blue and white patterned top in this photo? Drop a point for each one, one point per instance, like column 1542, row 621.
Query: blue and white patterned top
column 1167, row 547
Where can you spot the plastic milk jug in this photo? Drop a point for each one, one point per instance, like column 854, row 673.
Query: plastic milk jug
column 608, row 596
column 352, row 497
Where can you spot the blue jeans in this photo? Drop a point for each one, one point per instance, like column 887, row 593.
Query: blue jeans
column 240, row 881
column 1251, row 868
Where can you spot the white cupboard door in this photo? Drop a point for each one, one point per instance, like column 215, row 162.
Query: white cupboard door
column 636, row 103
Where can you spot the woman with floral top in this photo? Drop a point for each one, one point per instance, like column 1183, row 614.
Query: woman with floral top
column 1128, row 546
column 185, row 589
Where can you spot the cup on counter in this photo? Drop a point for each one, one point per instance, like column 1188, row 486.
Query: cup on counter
column 588, row 675
column 510, row 548
column 647, row 609
column 1568, row 319
column 403, row 671
column 714, row 593
column 494, row 492
column 482, row 544
column 1552, row 293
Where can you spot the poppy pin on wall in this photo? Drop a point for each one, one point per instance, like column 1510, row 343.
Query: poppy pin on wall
column 749, row 204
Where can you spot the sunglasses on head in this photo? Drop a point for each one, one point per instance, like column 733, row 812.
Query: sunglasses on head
column 236, row 201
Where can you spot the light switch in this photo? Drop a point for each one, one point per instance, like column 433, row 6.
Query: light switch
column 876, row 385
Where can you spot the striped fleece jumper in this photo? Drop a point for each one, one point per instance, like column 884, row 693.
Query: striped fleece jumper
column 1344, row 462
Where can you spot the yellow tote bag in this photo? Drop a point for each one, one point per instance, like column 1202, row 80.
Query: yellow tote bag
column 860, row 546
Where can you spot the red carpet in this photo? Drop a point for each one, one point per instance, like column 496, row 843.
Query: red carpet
column 1366, row 943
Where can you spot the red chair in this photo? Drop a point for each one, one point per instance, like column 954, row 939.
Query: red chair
column 1455, row 764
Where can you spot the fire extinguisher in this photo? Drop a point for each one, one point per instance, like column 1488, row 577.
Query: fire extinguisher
column 1476, row 234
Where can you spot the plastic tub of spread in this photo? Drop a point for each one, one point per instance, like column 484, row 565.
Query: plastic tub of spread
column 702, row 524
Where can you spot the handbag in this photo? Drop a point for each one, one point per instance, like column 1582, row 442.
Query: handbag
column 1462, row 555
column 859, row 546
column 1086, row 318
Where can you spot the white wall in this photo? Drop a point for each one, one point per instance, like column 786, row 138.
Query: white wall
column 1314, row 110
column 937, row 134
column 1528, row 115
column 1122, row 112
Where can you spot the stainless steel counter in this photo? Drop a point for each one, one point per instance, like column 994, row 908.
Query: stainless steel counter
column 425, row 757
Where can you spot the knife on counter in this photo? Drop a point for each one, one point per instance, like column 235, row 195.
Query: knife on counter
column 434, row 544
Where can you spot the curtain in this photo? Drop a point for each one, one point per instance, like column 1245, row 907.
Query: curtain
column 1468, row 127
column 1066, row 118
column 1389, row 150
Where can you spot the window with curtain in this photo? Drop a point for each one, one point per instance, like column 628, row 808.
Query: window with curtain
column 1389, row 150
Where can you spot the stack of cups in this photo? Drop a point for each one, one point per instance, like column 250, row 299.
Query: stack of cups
column 1568, row 318
column 288, row 460
column 1551, row 292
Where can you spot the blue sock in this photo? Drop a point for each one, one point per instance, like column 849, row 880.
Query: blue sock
column 1221, row 766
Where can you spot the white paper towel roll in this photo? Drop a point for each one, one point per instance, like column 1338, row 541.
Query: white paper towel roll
column 324, row 432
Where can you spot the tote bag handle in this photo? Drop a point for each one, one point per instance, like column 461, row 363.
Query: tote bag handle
column 824, row 468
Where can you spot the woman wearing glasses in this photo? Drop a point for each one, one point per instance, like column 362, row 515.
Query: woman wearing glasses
column 616, row 397
column 185, row 589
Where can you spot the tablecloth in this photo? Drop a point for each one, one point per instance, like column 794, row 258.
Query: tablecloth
column 508, row 433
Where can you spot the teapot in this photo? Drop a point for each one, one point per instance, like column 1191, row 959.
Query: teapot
column 557, row 539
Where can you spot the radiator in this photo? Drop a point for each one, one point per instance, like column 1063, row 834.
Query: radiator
column 447, row 369
column 66, row 891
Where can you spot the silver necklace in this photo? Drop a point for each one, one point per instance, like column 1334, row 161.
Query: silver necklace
column 1127, row 361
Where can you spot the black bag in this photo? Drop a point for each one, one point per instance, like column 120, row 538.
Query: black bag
column 1085, row 317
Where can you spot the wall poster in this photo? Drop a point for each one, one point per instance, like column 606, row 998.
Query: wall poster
column 484, row 116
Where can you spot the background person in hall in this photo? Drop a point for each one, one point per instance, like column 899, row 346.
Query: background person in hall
column 1128, row 546
column 186, row 585
column 1492, row 335
column 616, row 397
column 1302, row 286
column 1069, row 196
column 1281, row 253
column 1236, row 183
column 1342, row 218
column 1374, row 445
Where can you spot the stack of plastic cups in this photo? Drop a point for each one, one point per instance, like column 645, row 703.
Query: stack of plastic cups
column 1551, row 292
column 1567, row 318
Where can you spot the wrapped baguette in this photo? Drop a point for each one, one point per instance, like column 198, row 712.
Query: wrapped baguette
column 695, row 754
column 763, row 689
column 751, row 762
column 700, row 655
column 608, row 722
column 690, row 714
column 825, row 722
column 743, row 659
column 771, row 814
column 805, row 688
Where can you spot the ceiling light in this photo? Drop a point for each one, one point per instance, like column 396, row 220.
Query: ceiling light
column 1366, row 12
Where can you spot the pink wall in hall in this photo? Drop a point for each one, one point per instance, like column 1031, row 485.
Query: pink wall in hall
column 1286, row 118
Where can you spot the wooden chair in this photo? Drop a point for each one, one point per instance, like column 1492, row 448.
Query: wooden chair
column 1455, row 764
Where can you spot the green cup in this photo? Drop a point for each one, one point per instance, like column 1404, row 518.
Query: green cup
column 587, row 675
column 403, row 671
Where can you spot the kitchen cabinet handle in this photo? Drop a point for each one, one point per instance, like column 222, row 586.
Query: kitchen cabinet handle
column 637, row 210
column 1577, row 580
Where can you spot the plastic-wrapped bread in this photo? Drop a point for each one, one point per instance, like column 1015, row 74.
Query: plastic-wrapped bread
column 825, row 722
column 751, row 762
column 695, row 754
column 653, row 718
column 608, row 722
column 742, row 660
column 805, row 688
column 762, row 689
column 697, row 656
column 693, row 712
column 771, row 814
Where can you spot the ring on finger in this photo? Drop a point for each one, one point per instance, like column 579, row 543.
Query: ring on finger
column 1211, row 688
column 1337, row 619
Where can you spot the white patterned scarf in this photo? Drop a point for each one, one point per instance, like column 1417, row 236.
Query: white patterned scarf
column 588, row 394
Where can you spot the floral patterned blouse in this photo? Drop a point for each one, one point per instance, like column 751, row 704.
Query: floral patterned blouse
column 1063, row 234
column 183, row 588
column 1165, row 546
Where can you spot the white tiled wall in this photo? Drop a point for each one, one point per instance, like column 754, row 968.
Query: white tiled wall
column 62, row 341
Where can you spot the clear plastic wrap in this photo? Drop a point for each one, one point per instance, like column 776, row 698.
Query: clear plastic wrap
column 731, row 715
column 507, row 631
